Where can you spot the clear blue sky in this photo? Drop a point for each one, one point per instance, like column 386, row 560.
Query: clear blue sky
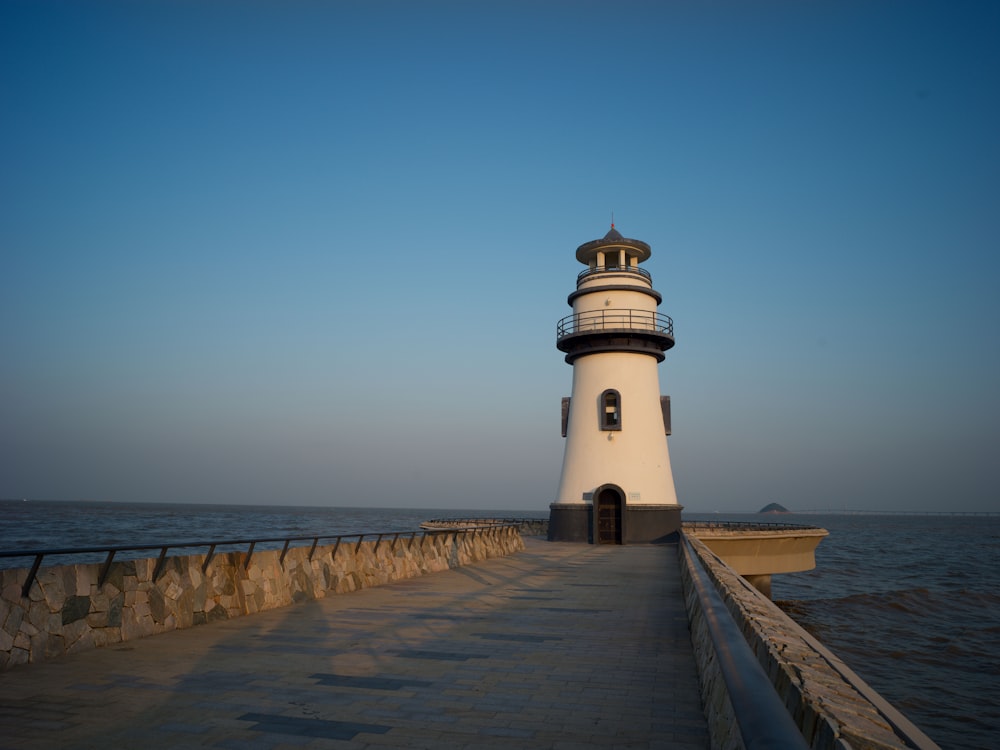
column 314, row 253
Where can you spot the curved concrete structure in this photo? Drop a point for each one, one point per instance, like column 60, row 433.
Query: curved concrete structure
column 757, row 551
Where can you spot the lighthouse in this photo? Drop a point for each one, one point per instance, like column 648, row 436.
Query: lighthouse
column 616, row 485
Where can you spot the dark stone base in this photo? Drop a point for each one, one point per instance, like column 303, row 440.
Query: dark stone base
column 641, row 524
column 652, row 524
column 571, row 523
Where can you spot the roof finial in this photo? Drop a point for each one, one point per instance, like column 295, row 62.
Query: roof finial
column 612, row 218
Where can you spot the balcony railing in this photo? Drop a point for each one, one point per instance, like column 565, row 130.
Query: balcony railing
column 614, row 320
column 613, row 269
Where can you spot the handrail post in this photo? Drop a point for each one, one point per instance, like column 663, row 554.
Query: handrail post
column 104, row 570
column 159, row 564
column 246, row 562
column 26, row 588
column 208, row 558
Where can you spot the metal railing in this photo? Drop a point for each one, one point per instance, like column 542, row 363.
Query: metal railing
column 763, row 720
column 442, row 522
column 612, row 269
column 526, row 526
column 614, row 320
column 213, row 546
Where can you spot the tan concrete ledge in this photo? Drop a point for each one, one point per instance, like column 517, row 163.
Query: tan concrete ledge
column 758, row 551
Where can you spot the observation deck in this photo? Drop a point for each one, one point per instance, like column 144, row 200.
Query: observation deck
column 615, row 330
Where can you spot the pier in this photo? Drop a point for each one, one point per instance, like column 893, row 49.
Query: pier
column 469, row 633
column 558, row 646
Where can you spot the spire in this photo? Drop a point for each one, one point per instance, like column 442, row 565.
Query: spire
column 613, row 234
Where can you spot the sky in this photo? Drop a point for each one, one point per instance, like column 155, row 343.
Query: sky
column 313, row 253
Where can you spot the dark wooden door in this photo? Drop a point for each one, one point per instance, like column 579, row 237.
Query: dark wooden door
column 609, row 517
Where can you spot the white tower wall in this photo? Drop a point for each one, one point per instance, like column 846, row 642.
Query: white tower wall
column 635, row 458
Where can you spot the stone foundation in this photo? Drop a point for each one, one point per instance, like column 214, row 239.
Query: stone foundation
column 641, row 524
column 66, row 611
column 652, row 524
column 571, row 522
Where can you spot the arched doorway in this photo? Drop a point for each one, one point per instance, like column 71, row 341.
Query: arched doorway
column 608, row 504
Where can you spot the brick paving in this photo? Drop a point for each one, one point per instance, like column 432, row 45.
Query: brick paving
column 560, row 646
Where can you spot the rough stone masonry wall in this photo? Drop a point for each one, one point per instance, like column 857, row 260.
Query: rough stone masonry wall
column 832, row 706
column 66, row 611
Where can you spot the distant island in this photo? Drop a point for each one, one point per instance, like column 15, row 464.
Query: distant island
column 774, row 508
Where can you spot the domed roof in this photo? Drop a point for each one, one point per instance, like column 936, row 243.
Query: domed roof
column 613, row 240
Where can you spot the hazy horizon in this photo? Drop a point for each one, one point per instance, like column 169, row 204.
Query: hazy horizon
column 508, row 511
column 314, row 254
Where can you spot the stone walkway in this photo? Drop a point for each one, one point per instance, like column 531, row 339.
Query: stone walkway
column 561, row 646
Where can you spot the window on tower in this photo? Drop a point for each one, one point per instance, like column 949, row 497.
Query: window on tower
column 611, row 410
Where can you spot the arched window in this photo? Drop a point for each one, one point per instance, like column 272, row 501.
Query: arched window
column 611, row 410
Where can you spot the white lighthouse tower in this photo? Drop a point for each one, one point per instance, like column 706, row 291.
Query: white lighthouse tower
column 616, row 485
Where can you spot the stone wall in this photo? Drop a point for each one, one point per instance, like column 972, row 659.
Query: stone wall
column 527, row 526
column 534, row 526
column 832, row 706
column 66, row 611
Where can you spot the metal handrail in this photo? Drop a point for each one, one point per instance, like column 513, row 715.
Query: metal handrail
column 614, row 319
column 763, row 719
column 612, row 269
column 463, row 521
column 111, row 551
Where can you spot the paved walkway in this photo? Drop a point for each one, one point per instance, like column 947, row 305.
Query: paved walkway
column 561, row 646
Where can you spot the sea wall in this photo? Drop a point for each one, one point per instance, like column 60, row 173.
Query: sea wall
column 533, row 526
column 527, row 526
column 832, row 706
column 66, row 611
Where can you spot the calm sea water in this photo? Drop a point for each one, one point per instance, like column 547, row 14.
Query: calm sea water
column 911, row 603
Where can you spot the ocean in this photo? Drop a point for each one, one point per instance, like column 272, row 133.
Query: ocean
column 910, row 602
